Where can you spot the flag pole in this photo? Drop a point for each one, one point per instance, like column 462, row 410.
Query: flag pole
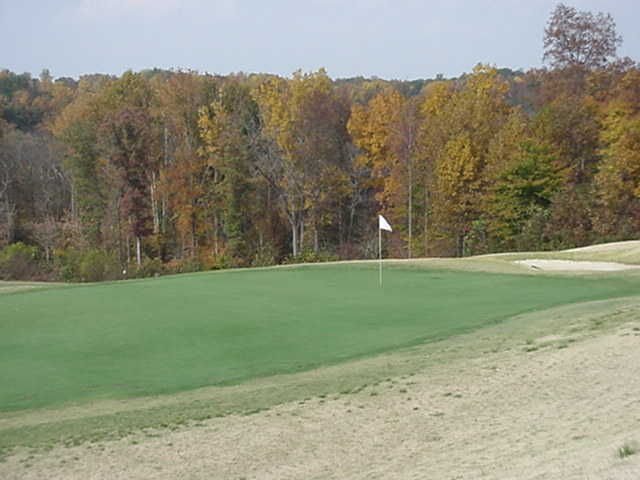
column 382, row 225
column 380, row 252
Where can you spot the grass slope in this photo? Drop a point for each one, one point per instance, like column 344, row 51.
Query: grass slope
column 179, row 333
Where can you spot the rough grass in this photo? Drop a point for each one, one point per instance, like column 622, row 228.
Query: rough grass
column 627, row 449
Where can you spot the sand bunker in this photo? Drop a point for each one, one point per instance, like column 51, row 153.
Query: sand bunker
column 572, row 265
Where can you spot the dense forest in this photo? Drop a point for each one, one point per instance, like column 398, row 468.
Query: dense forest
column 155, row 172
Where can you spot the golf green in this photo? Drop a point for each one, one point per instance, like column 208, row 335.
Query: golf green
column 173, row 334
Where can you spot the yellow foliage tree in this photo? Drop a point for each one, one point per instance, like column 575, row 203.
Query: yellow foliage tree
column 385, row 133
column 618, row 179
column 307, row 122
column 459, row 123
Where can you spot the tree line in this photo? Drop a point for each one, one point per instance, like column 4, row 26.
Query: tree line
column 170, row 171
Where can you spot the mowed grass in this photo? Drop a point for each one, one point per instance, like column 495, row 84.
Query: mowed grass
column 166, row 335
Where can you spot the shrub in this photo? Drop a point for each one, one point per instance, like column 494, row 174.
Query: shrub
column 94, row 265
column 349, row 251
column 309, row 256
column 264, row 258
column 150, row 267
column 475, row 239
column 19, row 262
column 209, row 261
column 185, row 265
column 98, row 265
column 67, row 263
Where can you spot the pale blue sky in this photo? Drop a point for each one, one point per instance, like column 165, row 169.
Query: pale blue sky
column 403, row 39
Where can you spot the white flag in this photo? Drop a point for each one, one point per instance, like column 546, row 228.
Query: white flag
column 383, row 224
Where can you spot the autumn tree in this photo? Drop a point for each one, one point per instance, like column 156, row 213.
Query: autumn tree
column 576, row 44
column 385, row 132
column 372, row 127
column 7, row 205
column 98, row 185
column 182, row 192
column 502, row 156
column 46, row 233
column 20, row 98
column 618, row 178
column 579, row 39
column 130, row 146
column 570, row 125
column 305, row 150
column 77, row 128
column 207, row 171
column 458, row 127
column 32, row 184
column 230, row 129
column 322, row 130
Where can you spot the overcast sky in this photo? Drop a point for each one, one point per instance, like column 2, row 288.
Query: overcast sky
column 391, row 39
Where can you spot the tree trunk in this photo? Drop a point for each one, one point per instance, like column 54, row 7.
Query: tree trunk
column 215, row 234
column 163, row 227
column 426, row 221
column 138, row 254
column 410, row 219
column 352, row 214
column 294, row 237
column 154, row 203
column 301, row 247
column 73, row 201
column 316, row 247
column 193, row 236
column 215, row 217
column 10, row 212
column 163, row 223
column 120, row 247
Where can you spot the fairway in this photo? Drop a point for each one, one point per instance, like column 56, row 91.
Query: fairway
column 172, row 334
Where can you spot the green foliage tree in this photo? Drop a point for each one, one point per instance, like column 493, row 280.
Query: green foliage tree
column 523, row 189
column 230, row 129
column 77, row 128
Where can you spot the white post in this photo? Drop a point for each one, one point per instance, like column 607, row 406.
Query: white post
column 380, row 252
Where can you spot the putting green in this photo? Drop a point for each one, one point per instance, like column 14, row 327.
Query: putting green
column 172, row 334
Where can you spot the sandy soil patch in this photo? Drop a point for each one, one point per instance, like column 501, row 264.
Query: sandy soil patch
column 549, row 413
column 575, row 266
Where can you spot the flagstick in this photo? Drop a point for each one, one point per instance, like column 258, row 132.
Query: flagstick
column 380, row 250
